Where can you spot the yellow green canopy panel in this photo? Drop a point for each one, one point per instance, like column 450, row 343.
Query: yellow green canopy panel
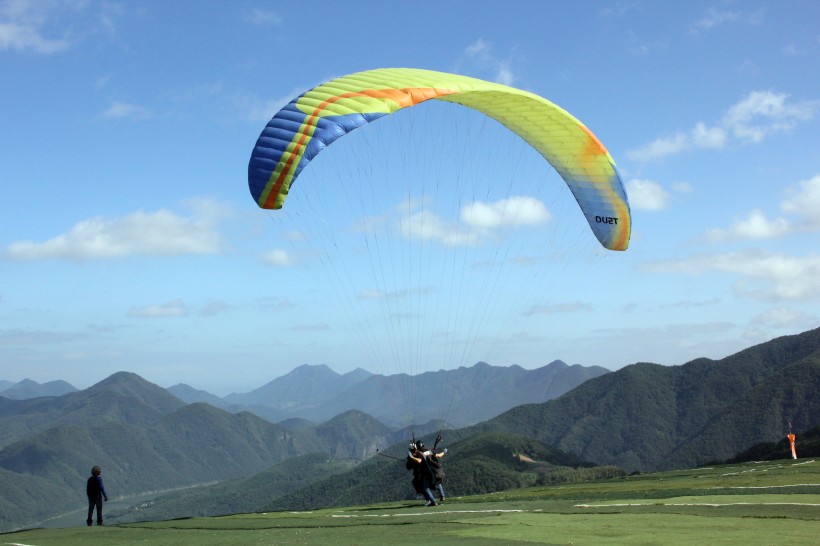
column 312, row 121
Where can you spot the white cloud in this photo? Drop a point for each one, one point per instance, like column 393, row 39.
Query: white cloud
column 504, row 73
column 378, row 294
column 262, row 17
column 256, row 110
column 661, row 147
column 754, row 226
column 24, row 25
column 371, row 294
column 479, row 48
column 715, row 17
column 160, row 233
column 646, row 195
column 278, row 258
column 17, row 36
column 512, row 211
column 427, row 225
column 479, row 221
column 750, row 120
column 764, row 112
column 804, row 201
column 174, row 308
column 481, row 52
column 708, row 137
column 689, row 304
column 122, row 110
column 763, row 275
column 782, row 317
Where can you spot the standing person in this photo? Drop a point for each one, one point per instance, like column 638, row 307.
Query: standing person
column 432, row 459
column 422, row 472
column 95, row 490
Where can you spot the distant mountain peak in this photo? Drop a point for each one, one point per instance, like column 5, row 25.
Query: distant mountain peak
column 132, row 386
column 358, row 373
column 307, row 384
column 312, row 369
column 28, row 388
column 122, row 377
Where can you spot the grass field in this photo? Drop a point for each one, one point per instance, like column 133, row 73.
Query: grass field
column 773, row 502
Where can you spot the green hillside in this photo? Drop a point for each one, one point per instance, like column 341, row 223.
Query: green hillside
column 738, row 505
column 649, row 417
column 236, row 496
column 807, row 447
column 480, row 464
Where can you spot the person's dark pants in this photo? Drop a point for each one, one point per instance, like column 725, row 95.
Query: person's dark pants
column 426, row 490
column 94, row 500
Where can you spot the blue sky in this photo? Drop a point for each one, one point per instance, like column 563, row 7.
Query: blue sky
column 129, row 241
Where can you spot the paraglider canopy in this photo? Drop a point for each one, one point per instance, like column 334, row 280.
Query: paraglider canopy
column 320, row 116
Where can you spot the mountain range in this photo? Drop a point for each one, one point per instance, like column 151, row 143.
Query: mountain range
column 308, row 395
column 316, row 393
column 461, row 397
column 643, row 417
column 648, row 417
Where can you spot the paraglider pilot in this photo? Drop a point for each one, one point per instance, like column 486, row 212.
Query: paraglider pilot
column 422, row 475
column 432, row 459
